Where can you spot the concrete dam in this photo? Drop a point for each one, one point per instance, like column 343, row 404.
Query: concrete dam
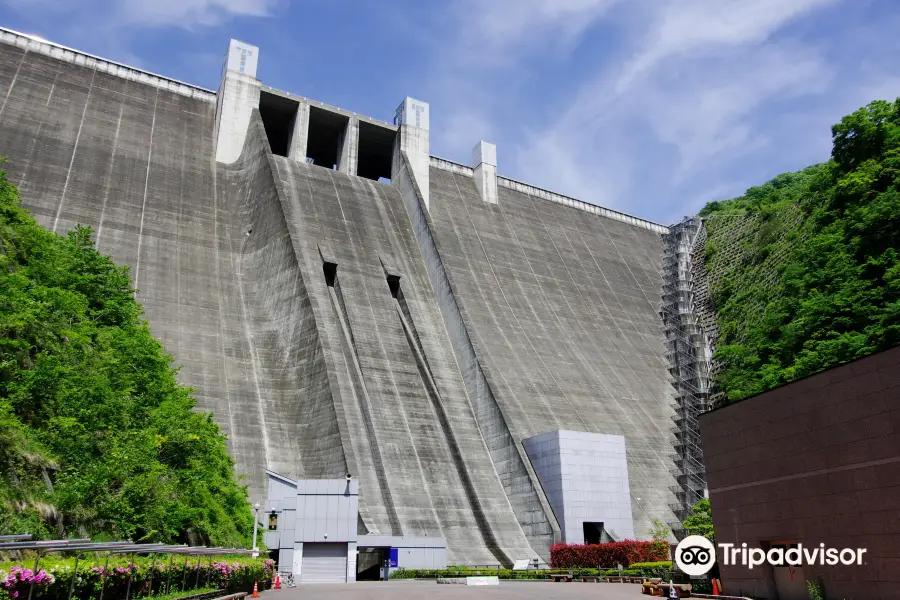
column 345, row 303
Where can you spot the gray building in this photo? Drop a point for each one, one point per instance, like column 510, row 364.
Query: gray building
column 585, row 477
column 312, row 531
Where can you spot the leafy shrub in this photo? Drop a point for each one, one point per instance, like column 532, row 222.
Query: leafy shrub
column 815, row 589
column 636, row 569
column 20, row 578
column 607, row 555
column 147, row 576
column 652, row 569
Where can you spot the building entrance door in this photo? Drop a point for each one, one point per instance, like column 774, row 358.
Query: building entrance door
column 324, row 563
column 369, row 563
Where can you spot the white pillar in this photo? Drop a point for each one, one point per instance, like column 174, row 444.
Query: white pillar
column 484, row 161
column 237, row 97
column 348, row 157
column 300, row 136
column 351, row 561
column 412, row 119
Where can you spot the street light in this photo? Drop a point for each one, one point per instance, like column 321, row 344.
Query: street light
column 255, row 524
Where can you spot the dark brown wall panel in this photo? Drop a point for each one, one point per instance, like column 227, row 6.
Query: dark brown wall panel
column 815, row 461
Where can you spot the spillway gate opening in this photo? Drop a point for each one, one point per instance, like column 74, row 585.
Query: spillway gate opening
column 376, row 151
column 326, row 135
column 278, row 115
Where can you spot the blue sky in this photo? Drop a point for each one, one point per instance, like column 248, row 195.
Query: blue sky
column 651, row 107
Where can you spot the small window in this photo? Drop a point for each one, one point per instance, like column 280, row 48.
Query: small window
column 394, row 284
column 330, row 270
column 784, row 545
column 273, row 521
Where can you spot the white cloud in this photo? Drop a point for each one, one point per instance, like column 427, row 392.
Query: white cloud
column 490, row 29
column 122, row 30
column 190, row 13
column 39, row 6
column 709, row 115
column 478, row 39
column 570, row 162
column 680, row 107
column 113, row 14
column 463, row 129
column 687, row 26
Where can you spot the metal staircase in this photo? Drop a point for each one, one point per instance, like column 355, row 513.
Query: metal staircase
column 688, row 354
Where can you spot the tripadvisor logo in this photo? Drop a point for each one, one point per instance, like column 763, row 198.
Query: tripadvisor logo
column 695, row 555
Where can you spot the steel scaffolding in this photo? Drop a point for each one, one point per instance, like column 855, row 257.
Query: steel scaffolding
column 688, row 354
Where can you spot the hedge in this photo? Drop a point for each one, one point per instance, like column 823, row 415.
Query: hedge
column 564, row 556
column 148, row 576
column 654, row 569
column 503, row 573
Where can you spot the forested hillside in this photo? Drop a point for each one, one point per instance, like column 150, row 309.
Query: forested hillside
column 96, row 437
column 812, row 276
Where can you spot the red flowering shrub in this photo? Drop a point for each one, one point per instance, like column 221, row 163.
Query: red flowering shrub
column 564, row 556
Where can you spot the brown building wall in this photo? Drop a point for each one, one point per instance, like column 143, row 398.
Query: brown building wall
column 815, row 461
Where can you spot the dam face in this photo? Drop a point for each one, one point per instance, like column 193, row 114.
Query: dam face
column 343, row 302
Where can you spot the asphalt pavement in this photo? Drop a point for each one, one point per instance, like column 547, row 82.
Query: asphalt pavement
column 417, row 590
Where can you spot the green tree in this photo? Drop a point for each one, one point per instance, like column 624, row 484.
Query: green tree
column 821, row 263
column 699, row 522
column 96, row 435
column 659, row 531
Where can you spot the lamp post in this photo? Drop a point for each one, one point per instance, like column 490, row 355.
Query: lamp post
column 255, row 524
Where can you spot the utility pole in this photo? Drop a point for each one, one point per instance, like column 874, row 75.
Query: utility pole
column 255, row 525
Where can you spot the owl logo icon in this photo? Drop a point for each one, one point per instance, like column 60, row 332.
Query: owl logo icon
column 695, row 555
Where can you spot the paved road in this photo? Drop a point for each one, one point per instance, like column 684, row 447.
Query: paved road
column 417, row 590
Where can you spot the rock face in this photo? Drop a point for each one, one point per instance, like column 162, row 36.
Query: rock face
column 334, row 325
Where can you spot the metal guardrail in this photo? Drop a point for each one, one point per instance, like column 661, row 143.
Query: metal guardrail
column 32, row 43
column 532, row 190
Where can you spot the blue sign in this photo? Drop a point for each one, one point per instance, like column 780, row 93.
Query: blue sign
column 392, row 557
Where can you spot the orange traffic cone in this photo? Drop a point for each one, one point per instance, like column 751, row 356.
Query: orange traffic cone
column 278, row 582
column 255, row 590
column 715, row 590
